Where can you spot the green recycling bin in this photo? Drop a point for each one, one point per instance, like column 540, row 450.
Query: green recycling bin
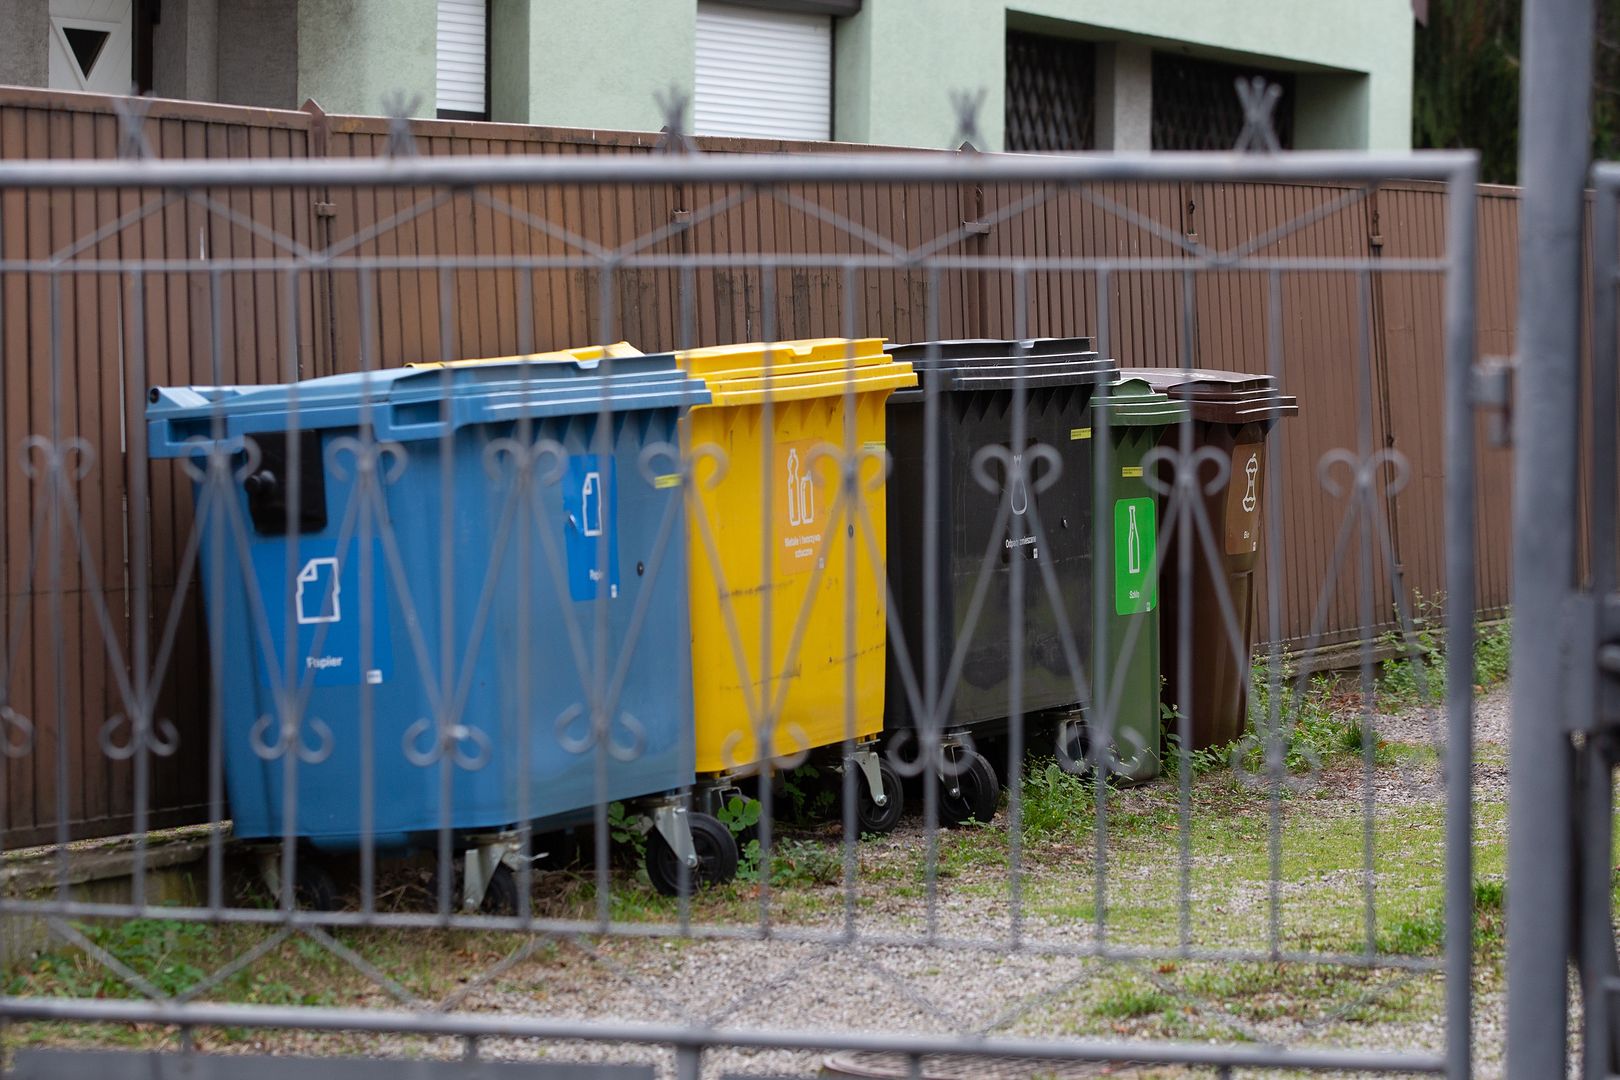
column 1232, row 413
column 1125, row 684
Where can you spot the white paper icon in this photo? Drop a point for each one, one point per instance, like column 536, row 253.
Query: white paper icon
column 1252, row 469
column 318, row 589
column 590, row 498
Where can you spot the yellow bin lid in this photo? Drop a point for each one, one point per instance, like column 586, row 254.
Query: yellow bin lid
column 749, row 373
column 581, row 352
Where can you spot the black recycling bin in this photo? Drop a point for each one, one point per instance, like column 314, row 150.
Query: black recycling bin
column 976, row 382
column 1233, row 413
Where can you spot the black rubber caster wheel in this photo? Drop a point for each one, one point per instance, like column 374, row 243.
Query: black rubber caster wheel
column 315, row 889
column 871, row 817
column 501, row 896
column 716, row 853
column 972, row 794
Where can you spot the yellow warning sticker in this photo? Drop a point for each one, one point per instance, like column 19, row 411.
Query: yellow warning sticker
column 1131, row 470
column 667, row 480
column 1078, row 433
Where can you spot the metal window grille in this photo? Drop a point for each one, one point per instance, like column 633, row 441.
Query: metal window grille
column 1051, row 93
column 1196, row 108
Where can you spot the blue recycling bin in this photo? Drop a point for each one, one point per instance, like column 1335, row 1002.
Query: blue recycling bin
column 460, row 530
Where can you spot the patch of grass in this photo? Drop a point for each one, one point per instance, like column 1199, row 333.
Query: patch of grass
column 1131, row 1001
column 1418, row 675
column 1056, row 804
column 1315, row 722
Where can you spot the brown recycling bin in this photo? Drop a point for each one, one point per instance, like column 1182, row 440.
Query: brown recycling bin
column 1232, row 412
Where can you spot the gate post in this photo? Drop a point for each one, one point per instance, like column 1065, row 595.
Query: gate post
column 1554, row 141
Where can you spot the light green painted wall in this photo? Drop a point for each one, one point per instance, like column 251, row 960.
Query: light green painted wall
column 900, row 59
column 353, row 53
column 599, row 63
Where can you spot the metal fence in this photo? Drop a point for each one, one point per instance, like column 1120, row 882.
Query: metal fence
column 507, row 305
column 989, row 972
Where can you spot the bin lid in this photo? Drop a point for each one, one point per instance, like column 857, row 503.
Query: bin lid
column 1222, row 397
column 1003, row 363
column 1133, row 402
column 408, row 403
column 580, row 352
column 752, row 372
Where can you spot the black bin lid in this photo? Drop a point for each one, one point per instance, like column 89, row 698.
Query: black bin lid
column 1003, row 363
column 1222, row 397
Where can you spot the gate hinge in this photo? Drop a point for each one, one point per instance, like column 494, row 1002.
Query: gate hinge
column 325, row 209
column 1492, row 393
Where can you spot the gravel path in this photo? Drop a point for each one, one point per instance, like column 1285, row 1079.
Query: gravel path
column 918, row 989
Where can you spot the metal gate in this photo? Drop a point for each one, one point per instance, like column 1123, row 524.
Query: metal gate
column 1324, row 860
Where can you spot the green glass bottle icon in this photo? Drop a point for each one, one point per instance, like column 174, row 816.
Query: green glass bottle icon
column 1133, row 543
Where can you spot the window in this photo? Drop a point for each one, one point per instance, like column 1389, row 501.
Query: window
column 463, row 62
column 92, row 45
column 1196, row 107
column 762, row 73
column 1051, row 93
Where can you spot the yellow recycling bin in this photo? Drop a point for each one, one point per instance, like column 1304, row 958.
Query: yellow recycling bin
column 778, row 638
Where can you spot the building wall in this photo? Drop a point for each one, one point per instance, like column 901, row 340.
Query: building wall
column 604, row 64
column 258, row 53
column 354, row 54
column 25, row 42
column 185, row 50
column 900, row 60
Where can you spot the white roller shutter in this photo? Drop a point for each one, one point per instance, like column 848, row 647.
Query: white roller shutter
column 762, row 74
column 462, row 56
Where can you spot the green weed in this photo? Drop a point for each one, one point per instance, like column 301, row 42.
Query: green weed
column 1131, row 1001
column 1055, row 803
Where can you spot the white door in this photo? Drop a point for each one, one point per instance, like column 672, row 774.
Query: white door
column 93, row 45
column 762, row 74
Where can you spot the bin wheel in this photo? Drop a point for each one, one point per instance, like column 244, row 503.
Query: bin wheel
column 315, row 889
column 562, row 850
column 976, row 791
column 1076, row 741
column 872, row 817
column 501, row 895
column 716, row 852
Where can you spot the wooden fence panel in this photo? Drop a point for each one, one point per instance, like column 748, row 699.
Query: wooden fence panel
column 1363, row 352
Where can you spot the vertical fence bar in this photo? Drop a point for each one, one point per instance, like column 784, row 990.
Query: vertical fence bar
column 1557, row 55
column 1596, row 929
column 1460, row 556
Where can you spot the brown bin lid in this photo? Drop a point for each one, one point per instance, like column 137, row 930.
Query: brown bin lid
column 1221, row 397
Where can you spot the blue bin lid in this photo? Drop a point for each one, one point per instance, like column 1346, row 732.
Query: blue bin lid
column 405, row 404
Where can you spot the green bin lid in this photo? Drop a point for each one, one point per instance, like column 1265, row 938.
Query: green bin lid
column 1133, row 402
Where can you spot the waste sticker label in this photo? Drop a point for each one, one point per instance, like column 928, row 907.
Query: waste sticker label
column 1136, row 581
column 1243, row 499
column 1079, row 433
column 590, row 494
column 800, row 517
column 1131, row 472
column 321, row 602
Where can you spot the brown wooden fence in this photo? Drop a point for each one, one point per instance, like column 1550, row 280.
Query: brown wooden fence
column 1348, row 342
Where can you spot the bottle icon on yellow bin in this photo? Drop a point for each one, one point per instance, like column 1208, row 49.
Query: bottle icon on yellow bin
column 1133, row 543
column 800, row 493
